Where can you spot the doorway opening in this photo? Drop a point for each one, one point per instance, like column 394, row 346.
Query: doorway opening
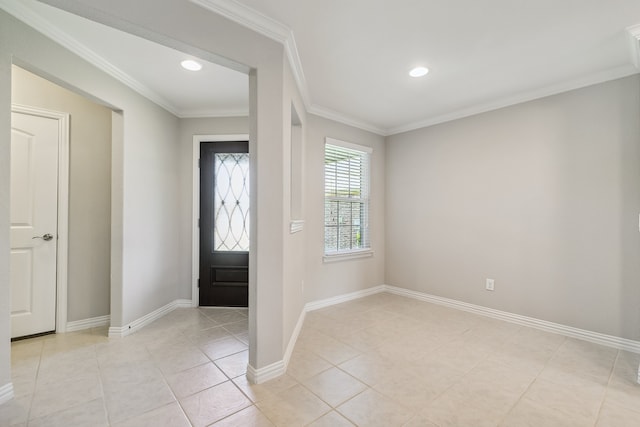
column 221, row 234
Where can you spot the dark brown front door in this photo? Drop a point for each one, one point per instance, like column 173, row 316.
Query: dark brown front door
column 224, row 224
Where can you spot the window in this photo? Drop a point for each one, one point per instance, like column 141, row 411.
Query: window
column 346, row 198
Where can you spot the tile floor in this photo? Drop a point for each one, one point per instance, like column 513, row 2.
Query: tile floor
column 383, row 360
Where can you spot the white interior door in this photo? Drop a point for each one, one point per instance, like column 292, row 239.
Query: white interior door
column 34, row 219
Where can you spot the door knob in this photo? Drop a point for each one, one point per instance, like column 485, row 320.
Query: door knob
column 45, row 237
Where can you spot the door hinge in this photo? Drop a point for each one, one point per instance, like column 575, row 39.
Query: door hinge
column 198, row 283
column 198, row 162
column 198, row 222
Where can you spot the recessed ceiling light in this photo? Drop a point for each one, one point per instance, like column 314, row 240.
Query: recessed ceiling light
column 419, row 72
column 191, row 65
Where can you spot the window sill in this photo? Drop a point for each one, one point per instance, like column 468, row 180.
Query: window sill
column 345, row 256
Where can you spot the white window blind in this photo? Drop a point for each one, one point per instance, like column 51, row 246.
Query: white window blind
column 346, row 207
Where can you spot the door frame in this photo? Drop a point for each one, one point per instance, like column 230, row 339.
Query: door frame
column 195, row 211
column 62, row 253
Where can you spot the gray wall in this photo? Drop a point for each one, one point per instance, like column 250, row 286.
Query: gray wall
column 326, row 280
column 89, row 190
column 543, row 197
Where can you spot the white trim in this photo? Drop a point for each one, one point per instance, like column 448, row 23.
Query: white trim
column 327, row 302
column 346, row 256
column 296, row 225
column 601, row 77
column 195, row 206
column 269, row 372
column 62, row 253
column 569, row 331
column 128, row 329
column 207, row 114
column 6, row 393
column 93, row 322
column 633, row 34
column 349, row 145
column 335, row 116
column 294, row 337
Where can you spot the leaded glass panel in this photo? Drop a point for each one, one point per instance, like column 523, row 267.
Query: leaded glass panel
column 231, row 202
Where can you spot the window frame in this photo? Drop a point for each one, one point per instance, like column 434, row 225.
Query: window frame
column 344, row 254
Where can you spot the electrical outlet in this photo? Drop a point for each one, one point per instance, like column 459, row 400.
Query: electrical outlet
column 489, row 285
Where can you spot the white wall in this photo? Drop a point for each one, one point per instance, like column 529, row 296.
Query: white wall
column 543, row 197
column 294, row 244
column 325, row 280
column 88, row 287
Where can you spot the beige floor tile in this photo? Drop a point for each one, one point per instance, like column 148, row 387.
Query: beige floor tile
column 334, row 386
column 225, row 316
column 624, row 389
column 214, row 404
column 15, row 411
column 234, row 365
column 294, row 406
column 178, row 359
column 195, row 380
column 457, row 354
column 170, row 415
column 223, row 348
column 53, row 370
column 370, row 408
column 257, row 392
column 370, row 369
column 613, row 415
column 328, row 348
column 475, row 404
column 131, row 390
column 455, row 368
column 418, row 387
column 54, row 397
column 89, row 414
column 575, row 402
column 419, row 421
column 238, row 327
column 249, row 417
column 305, row 364
column 332, row 419
column 208, row 335
column 499, row 376
column 527, row 413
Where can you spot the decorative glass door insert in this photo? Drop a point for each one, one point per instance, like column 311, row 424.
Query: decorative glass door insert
column 231, row 202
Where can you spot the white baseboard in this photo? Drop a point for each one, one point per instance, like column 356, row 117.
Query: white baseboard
column 569, row 331
column 6, row 393
column 93, row 322
column 123, row 331
column 294, row 337
column 261, row 375
column 316, row 305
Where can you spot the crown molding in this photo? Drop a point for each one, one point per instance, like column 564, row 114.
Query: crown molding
column 327, row 113
column 26, row 15
column 203, row 114
column 633, row 35
column 268, row 27
column 600, row 77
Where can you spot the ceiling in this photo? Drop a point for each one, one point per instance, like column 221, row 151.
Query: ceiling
column 352, row 59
